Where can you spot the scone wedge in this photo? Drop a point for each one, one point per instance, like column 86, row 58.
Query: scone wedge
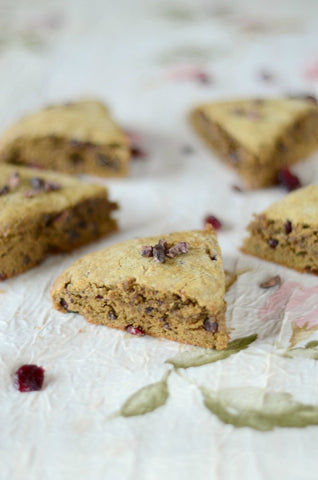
column 259, row 137
column 78, row 137
column 287, row 231
column 47, row 212
column 169, row 286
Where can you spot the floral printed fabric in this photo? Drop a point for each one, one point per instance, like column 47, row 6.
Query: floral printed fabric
column 120, row 407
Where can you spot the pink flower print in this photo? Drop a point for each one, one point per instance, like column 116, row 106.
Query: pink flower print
column 311, row 72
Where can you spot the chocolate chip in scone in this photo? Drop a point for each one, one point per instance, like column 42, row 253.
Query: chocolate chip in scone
column 14, row 180
column 210, row 325
column 112, row 315
column 149, row 309
column 272, row 242
column 72, row 234
column 63, row 303
column 271, row 282
column 37, row 183
column 51, row 186
column 288, row 227
column 76, row 158
column 159, row 254
column 104, row 161
column 281, row 147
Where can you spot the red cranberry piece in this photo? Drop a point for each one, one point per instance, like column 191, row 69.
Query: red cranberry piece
column 135, row 330
column 29, row 378
column 212, row 220
column 288, row 227
column 137, row 152
column 272, row 242
column 287, row 179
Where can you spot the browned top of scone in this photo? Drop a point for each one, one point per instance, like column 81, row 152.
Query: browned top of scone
column 84, row 121
column 197, row 273
column 257, row 124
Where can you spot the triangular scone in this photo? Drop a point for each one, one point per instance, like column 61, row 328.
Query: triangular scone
column 77, row 137
column 181, row 299
column 44, row 212
column 287, row 231
column 258, row 137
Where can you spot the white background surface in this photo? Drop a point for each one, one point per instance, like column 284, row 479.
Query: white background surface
column 132, row 55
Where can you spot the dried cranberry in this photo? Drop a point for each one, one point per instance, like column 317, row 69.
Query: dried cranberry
column 272, row 242
column 288, row 227
column 29, row 378
column 287, row 179
column 135, row 330
column 137, row 152
column 210, row 325
column 212, row 220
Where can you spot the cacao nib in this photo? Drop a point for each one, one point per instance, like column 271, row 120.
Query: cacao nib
column 210, row 325
column 272, row 242
column 37, row 183
column 181, row 247
column 112, row 315
column 4, row 190
column 146, row 251
column 159, row 253
column 271, row 282
column 288, row 227
column 76, row 158
column 63, row 303
column 29, row 378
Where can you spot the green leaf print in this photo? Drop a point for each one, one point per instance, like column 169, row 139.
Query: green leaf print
column 147, row 399
column 196, row 357
column 254, row 408
column 309, row 351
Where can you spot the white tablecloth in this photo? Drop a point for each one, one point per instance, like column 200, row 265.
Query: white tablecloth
column 118, row 407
